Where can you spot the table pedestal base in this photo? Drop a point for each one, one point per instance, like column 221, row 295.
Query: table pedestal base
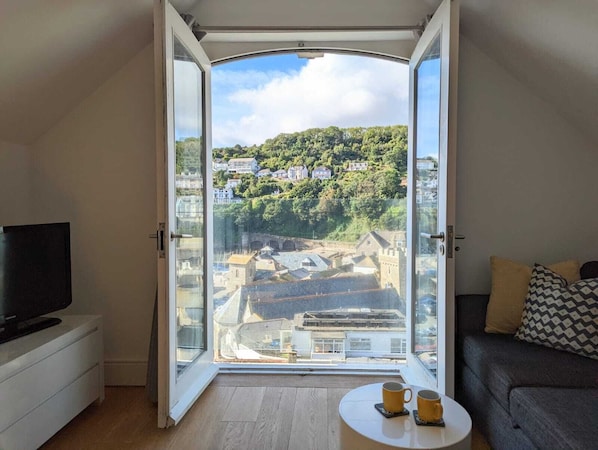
column 351, row 440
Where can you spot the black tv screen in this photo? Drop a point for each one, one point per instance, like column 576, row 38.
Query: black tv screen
column 35, row 276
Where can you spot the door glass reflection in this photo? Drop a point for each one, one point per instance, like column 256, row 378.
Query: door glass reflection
column 427, row 154
column 189, row 207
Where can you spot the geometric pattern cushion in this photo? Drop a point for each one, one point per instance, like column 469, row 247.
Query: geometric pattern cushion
column 561, row 316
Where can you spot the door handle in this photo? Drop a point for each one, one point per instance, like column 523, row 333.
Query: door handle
column 174, row 236
column 439, row 236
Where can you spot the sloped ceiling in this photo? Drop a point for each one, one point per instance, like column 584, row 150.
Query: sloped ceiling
column 550, row 46
column 55, row 53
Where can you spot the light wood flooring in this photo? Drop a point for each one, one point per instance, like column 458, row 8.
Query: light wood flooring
column 236, row 412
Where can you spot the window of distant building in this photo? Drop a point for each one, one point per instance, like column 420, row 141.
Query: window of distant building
column 398, row 345
column 328, row 346
column 360, row 344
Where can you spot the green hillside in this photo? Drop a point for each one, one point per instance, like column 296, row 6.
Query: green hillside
column 340, row 208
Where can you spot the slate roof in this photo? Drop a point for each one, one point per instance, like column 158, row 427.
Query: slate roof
column 344, row 283
column 288, row 307
column 285, row 299
column 364, row 261
column 383, row 243
column 296, row 260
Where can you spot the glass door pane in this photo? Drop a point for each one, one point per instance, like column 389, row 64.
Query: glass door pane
column 189, row 208
column 427, row 158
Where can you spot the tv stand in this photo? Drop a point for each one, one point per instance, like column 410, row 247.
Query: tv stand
column 47, row 378
column 16, row 330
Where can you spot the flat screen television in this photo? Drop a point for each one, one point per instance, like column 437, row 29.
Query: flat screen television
column 35, row 277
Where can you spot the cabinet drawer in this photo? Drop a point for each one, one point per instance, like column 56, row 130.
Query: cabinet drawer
column 34, row 385
column 43, row 422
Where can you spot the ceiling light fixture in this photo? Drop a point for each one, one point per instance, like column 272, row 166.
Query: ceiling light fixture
column 306, row 54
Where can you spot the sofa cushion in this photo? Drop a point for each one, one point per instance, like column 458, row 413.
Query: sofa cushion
column 503, row 363
column 561, row 316
column 488, row 416
column 510, row 280
column 470, row 314
column 589, row 270
column 557, row 418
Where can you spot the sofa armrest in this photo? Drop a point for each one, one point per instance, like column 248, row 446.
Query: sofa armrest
column 470, row 313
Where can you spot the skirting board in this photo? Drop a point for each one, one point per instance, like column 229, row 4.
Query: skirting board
column 125, row 373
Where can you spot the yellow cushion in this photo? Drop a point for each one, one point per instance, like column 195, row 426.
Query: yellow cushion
column 510, row 281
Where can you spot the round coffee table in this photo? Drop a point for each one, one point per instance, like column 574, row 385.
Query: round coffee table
column 362, row 427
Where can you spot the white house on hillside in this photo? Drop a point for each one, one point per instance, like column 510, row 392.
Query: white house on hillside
column 321, row 173
column 357, row 165
column 219, row 165
column 243, row 165
column 223, row 195
column 233, row 183
column 296, row 173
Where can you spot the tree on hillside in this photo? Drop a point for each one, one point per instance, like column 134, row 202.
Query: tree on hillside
column 188, row 155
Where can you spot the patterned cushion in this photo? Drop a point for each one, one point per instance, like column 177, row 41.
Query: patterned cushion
column 560, row 316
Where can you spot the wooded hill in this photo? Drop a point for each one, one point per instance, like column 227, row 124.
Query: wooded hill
column 341, row 208
column 332, row 147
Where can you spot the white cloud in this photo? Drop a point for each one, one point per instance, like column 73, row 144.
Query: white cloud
column 335, row 90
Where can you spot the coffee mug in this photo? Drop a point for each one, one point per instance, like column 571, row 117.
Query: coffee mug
column 393, row 396
column 429, row 408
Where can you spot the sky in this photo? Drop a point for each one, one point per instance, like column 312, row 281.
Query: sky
column 258, row 98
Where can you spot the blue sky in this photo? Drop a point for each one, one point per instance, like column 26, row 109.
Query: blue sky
column 257, row 98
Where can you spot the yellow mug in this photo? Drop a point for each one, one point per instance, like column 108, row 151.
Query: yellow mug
column 429, row 408
column 393, row 396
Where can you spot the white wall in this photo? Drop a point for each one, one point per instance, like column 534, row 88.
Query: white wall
column 527, row 186
column 15, row 199
column 96, row 169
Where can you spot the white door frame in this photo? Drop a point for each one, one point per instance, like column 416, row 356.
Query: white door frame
column 445, row 23
column 178, row 392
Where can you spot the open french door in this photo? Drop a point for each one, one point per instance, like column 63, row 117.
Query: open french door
column 431, row 203
column 183, row 135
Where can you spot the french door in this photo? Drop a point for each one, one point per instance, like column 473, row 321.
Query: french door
column 183, row 128
column 431, row 202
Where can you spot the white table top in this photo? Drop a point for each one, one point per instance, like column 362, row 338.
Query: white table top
column 357, row 411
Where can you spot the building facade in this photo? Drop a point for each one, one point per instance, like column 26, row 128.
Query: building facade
column 321, row 173
column 297, row 173
column 242, row 165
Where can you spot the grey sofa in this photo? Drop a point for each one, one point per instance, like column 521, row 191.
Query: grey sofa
column 521, row 395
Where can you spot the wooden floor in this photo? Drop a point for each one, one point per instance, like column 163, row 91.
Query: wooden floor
column 235, row 412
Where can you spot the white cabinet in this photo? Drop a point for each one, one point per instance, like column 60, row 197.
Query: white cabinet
column 47, row 378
